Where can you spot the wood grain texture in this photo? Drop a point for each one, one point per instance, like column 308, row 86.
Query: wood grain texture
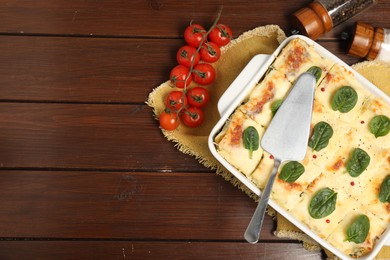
column 163, row 18
column 83, row 69
column 85, row 173
column 123, row 205
column 120, row 137
column 96, row 70
column 151, row 250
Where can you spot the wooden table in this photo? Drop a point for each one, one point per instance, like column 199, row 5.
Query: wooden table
column 84, row 170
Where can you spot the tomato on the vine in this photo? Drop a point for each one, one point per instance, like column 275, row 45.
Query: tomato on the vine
column 180, row 76
column 198, row 97
column 194, row 34
column 169, row 120
column 203, row 74
column 187, row 55
column 192, row 117
column 210, row 52
column 221, row 34
column 176, row 100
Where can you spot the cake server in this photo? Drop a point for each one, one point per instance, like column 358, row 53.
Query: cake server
column 286, row 139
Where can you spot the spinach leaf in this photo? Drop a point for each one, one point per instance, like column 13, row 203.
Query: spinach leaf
column 358, row 163
column 323, row 203
column 358, row 230
column 251, row 139
column 316, row 71
column 291, row 171
column 321, row 134
column 275, row 106
column 380, row 125
column 384, row 193
column 344, row 99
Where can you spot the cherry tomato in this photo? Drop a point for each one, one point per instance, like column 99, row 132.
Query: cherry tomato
column 203, row 74
column 198, row 97
column 178, row 76
column 193, row 35
column 187, row 55
column 169, row 120
column 192, row 117
column 176, row 100
column 221, row 34
column 210, row 52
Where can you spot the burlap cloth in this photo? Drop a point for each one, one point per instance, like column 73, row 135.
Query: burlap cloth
column 235, row 55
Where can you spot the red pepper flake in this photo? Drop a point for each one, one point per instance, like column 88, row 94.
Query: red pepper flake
column 327, row 221
column 352, row 183
column 314, row 156
column 322, row 89
column 271, row 157
column 362, row 122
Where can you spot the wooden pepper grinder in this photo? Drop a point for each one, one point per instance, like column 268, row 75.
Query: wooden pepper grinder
column 369, row 42
column 321, row 16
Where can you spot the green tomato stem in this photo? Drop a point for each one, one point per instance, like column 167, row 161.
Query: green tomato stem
column 200, row 45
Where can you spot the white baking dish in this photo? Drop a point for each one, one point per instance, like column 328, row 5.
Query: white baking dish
column 240, row 89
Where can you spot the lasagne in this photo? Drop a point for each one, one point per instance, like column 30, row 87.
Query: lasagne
column 344, row 172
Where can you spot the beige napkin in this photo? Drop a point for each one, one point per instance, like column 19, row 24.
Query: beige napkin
column 235, row 55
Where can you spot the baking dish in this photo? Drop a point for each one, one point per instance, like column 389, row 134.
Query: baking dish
column 236, row 94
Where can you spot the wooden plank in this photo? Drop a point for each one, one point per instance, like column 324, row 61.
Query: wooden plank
column 120, row 137
column 167, row 19
column 83, row 69
column 119, row 205
column 152, row 250
column 63, row 69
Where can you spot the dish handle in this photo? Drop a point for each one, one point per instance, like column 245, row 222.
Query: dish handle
column 242, row 80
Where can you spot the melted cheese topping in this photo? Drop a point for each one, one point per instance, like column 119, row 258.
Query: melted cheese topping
column 323, row 226
column 339, row 77
column 231, row 146
column 324, row 168
column 263, row 170
column 297, row 57
column 338, row 237
column 274, row 87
